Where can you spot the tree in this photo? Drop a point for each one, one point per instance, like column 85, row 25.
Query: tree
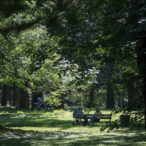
column 90, row 34
column 27, row 53
column 124, row 23
column 4, row 95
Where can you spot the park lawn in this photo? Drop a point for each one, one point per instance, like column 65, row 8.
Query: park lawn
column 55, row 128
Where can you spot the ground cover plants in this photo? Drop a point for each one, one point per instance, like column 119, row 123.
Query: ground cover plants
column 30, row 127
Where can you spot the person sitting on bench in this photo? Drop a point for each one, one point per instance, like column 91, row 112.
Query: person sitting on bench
column 96, row 116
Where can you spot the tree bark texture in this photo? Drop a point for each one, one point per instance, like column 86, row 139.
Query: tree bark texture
column 22, row 98
column 121, row 101
column 131, row 95
column 141, row 57
column 110, row 102
column 91, row 96
column 4, row 96
column 14, row 96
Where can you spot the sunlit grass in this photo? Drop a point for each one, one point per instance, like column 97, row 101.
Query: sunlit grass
column 55, row 128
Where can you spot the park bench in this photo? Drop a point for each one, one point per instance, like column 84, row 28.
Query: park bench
column 83, row 119
column 107, row 116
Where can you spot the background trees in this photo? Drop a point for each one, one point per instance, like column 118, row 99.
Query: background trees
column 79, row 51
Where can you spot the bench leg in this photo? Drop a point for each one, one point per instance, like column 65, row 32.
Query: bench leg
column 78, row 122
column 86, row 122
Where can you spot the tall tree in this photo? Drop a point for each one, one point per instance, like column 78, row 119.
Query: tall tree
column 124, row 22
column 4, row 95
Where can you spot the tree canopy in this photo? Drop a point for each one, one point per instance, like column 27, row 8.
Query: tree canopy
column 68, row 47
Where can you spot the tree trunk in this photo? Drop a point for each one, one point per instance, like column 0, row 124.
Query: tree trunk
column 110, row 101
column 14, row 96
column 131, row 95
column 121, row 101
column 30, row 99
column 141, row 55
column 10, row 95
column 91, row 96
column 22, row 98
column 4, row 96
column 144, row 94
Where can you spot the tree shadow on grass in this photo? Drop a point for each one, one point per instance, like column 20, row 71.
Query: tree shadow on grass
column 10, row 110
column 69, row 139
column 45, row 122
column 23, row 120
column 112, row 140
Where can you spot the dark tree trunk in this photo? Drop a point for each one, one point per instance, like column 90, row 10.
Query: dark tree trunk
column 121, row 101
column 4, row 96
column 10, row 95
column 14, row 96
column 22, row 99
column 144, row 94
column 141, row 55
column 131, row 95
column 110, row 101
column 91, row 96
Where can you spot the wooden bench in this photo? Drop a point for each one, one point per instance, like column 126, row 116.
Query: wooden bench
column 107, row 116
column 84, row 119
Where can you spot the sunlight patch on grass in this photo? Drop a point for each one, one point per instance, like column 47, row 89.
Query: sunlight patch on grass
column 55, row 128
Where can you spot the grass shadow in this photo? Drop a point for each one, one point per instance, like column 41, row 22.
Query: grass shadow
column 62, row 121
column 71, row 139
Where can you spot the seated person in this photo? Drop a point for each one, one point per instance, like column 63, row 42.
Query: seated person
column 96, row 116
column 77, row 113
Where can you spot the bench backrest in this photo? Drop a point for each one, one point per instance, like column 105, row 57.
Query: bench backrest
column 106, row 116
column 77, row 113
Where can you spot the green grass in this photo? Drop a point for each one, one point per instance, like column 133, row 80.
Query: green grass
column 51, row 128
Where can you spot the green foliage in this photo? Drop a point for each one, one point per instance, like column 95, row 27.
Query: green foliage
column 64, row 47
column 136, row 120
